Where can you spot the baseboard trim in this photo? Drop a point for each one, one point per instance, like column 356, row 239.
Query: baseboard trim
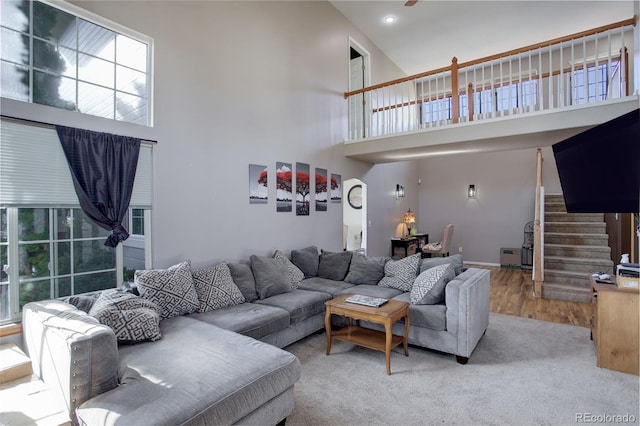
column 469, row 263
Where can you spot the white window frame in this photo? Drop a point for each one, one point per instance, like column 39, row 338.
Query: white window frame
column 115, row 27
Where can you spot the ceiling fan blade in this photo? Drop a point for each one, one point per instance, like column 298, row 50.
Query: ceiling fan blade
column 411, row 2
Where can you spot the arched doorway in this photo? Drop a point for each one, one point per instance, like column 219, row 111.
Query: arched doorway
column 354, row 215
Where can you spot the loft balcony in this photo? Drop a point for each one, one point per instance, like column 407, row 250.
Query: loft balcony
column 528, row 97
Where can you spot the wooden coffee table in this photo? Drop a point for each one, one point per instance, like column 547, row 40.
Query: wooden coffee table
column 387, row 315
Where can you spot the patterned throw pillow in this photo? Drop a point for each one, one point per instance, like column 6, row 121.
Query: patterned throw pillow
column 132, row 318
column 171, row 289
column 293, row 272
column 215, row 288
column 428, row 288
column 400, row 274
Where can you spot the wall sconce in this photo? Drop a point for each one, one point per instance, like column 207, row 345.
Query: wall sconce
column 399, row 191
column 471, row 192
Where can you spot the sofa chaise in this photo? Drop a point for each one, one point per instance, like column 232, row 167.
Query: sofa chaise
column 223, row 363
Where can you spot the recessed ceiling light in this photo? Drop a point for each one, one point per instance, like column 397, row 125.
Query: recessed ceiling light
column 389, row 19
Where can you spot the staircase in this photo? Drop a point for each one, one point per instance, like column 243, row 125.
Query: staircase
column 575, row 246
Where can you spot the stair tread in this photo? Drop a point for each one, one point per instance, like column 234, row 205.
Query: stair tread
column 577, row 259
column 567, row 286
column 586, row 234
column 577, row 246
column 576, row 274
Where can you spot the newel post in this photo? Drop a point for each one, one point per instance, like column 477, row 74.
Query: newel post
column 455, row 114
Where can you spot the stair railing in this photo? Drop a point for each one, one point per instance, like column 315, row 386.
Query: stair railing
column 538, row 230
column 586, row 67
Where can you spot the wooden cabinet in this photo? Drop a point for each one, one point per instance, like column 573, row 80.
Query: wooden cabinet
column 614, row 327
column 403, row 247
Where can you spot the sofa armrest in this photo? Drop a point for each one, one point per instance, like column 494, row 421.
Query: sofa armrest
column 467, row 300
column 74, row 355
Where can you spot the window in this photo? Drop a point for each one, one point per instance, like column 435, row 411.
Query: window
column 55, row 57
column 48, row 247
column 517, row 95
column 136, row 225
column 436, row 110
column 596, row 83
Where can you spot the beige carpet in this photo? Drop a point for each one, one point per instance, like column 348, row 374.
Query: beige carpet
column 523, row 372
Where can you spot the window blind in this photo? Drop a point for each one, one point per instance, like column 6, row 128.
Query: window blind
column 34, row 170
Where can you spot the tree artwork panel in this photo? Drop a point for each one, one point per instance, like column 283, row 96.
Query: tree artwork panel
column 258, row 189
column 284, row 185
column 336, row 188
column 321, row 190
column 303, row 189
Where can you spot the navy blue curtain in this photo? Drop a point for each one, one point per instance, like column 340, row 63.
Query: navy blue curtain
column 103, row 168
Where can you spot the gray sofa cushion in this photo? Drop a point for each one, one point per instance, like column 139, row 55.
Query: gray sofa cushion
column 301, row 304
column 373, row 291
column 334, row 266
column 307, row 260
column 366, row 269
column 243, row 277
column 270, row 275
column 428, row 288
column 132, row 318
column 250, row 319
column 430, row 262
column 433, row 317
column 293, row 272
column 171, row 289
column 400, row 274
column 216, row 288
column 325, row 285
column 220, row 380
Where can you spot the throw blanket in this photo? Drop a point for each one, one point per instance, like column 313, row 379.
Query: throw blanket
column 433, row 246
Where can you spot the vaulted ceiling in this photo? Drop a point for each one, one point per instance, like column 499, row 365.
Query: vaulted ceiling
column 427, row 35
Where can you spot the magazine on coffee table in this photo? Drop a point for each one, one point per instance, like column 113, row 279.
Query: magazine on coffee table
column 366, row 300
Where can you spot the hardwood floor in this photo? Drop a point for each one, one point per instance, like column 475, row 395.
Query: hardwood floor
column 512, row 294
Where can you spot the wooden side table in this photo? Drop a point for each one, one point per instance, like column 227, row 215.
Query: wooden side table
column 614, row 326
column 387, row 315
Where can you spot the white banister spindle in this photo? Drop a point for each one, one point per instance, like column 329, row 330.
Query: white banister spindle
column 561, row 78
column 551, row 97
column 623, row 64
column 585, row 73
column 597, row 70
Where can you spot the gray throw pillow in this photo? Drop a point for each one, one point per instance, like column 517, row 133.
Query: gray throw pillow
column 293, row 272
column 216, row 288
column 82, row 302
column 334, row 266
column 366, row 269
column 307, row 260
column 400, row 274
column 430, row 262
column 171, row 289
column 243, row 277
column 132, row 318
column 428, row 288
column 271, row 276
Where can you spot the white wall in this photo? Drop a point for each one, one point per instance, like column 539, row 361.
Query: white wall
column 505, row 183
column 239, row 83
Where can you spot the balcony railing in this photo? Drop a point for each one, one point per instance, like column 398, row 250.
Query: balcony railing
column 586, row 67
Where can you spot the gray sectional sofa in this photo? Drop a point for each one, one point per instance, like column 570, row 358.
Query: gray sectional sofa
column 224, row 365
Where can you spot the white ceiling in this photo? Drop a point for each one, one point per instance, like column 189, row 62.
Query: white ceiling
column 428, row 35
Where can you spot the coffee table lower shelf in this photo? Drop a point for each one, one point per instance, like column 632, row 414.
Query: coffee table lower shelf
column 371, row 339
